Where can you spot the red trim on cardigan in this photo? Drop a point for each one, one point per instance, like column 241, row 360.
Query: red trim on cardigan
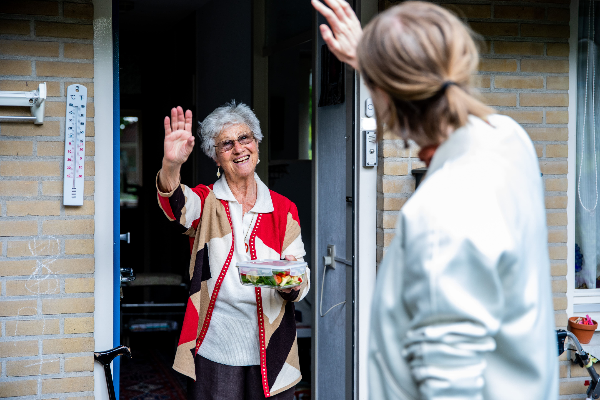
column 217, row 287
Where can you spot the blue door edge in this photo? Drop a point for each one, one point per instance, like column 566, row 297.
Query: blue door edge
column 116, row 196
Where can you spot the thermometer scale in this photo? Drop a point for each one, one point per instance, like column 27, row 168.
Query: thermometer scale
column 74, row 145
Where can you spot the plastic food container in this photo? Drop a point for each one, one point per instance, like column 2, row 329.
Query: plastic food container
column 281, row 274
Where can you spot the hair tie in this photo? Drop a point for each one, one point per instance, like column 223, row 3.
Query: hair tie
column 445, row 86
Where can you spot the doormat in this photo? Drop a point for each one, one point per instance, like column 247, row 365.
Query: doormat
column 149, row 376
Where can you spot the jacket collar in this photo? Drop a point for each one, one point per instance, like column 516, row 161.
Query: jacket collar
column 263, row 204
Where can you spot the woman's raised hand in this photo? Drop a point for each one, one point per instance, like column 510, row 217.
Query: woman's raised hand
column 346, row 29
column 179, row 140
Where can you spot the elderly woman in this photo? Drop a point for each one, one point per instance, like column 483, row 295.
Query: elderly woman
column 463, row 307
column 237, row 342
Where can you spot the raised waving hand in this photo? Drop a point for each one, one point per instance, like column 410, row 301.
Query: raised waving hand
column 179, row 143
column 346, row 29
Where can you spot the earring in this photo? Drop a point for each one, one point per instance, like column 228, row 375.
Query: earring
column 218, row 172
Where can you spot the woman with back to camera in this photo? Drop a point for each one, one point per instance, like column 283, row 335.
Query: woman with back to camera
column 237, row 342
column 463, row 306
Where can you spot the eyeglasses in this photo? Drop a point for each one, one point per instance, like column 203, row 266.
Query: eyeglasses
column 243, row 139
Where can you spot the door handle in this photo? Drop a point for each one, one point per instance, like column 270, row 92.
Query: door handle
column 125, row 236
column 127, row 275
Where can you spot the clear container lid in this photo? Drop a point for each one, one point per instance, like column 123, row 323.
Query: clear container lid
column 270, row 267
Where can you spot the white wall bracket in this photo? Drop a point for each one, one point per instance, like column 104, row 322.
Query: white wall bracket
column 36, row 100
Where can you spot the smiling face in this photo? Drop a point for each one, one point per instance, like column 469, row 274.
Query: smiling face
column 239, row 162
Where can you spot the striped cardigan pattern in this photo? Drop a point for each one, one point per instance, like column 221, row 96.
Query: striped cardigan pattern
column 207, row 221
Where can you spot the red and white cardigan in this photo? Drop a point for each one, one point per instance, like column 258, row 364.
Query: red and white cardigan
column 205, row 218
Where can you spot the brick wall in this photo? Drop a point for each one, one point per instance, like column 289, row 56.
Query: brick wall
column 46, row 249
column 523, row 73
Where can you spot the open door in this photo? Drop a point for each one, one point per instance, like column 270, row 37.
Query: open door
column 333, row 337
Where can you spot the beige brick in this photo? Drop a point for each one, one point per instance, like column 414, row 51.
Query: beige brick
column 29, row 48
column 55, row 109
column 30, row 168
column 18, row 388
column 78, row 50
column 15, row 67
column 14, row 27
column 17, row 268
column 495, row 28
column 48, row 128
column 393, row 203
column 470, row 10
column 68, row 385
column 73, row 305
column 68, row 345
column 572, row 387
column 500, row 99
column 51, row 148
column 556, row 185
column 90, row 168
column 52, row 88
column 79, row 285
column 77, row 364
column 19, row 188
column 577, row 372
column 560, row 303
column 484, row 46
column 518, row 12
column 557, row 236
column 556, row 150
column 55, row 188
column 558, row 269
column 549, row 134
column 32, row 287
column 545, row 30
column 553, row 167
column 395, row 168
column 78, row 10
column 30, row 7
column 33, row 248
column 79, row 246
column 559, row 286
column 86, row 209
column 557, row 117
column 389, row 220
column 519, row 82
column 90, row 148
column 558, row 252
column 395, row 148
column 497, row 65
column 22, row 348
column 63, row 30
column 90, row 129
column 523, row 117
column 557, row 82
column 539, row 150
column 18, row 228
column 73, row 266
column 33, row 367
column 16, row 148
column 46, row 326
column 557, row 49
column 64, row 69
column 562, row 371
column 79, row 325
column 23, row 208
column 17, row 112
column 16, row 308
column 544, row 100
column 558, row 15
column 481, row 81
column 550, row 66
column 556, row 219
column 560, row 319
column 398, row 186
column 556, row 202
column 68, row 227
column 88, row 85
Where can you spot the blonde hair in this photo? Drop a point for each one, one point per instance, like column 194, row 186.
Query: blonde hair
column 422, row 56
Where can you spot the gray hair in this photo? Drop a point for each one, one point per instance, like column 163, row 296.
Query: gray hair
column 220, row 118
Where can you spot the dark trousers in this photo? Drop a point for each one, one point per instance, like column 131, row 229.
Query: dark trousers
column 216, row 381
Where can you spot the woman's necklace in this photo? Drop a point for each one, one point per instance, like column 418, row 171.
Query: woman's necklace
column 247, row 232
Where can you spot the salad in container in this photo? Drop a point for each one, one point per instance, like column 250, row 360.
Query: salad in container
column 273, row 274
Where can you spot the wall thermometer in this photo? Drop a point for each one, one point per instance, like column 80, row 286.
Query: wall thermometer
column 74, row 145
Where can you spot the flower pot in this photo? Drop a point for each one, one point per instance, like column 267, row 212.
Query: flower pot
column 583, row 333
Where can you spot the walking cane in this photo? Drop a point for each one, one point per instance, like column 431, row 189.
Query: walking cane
column 105, row 358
